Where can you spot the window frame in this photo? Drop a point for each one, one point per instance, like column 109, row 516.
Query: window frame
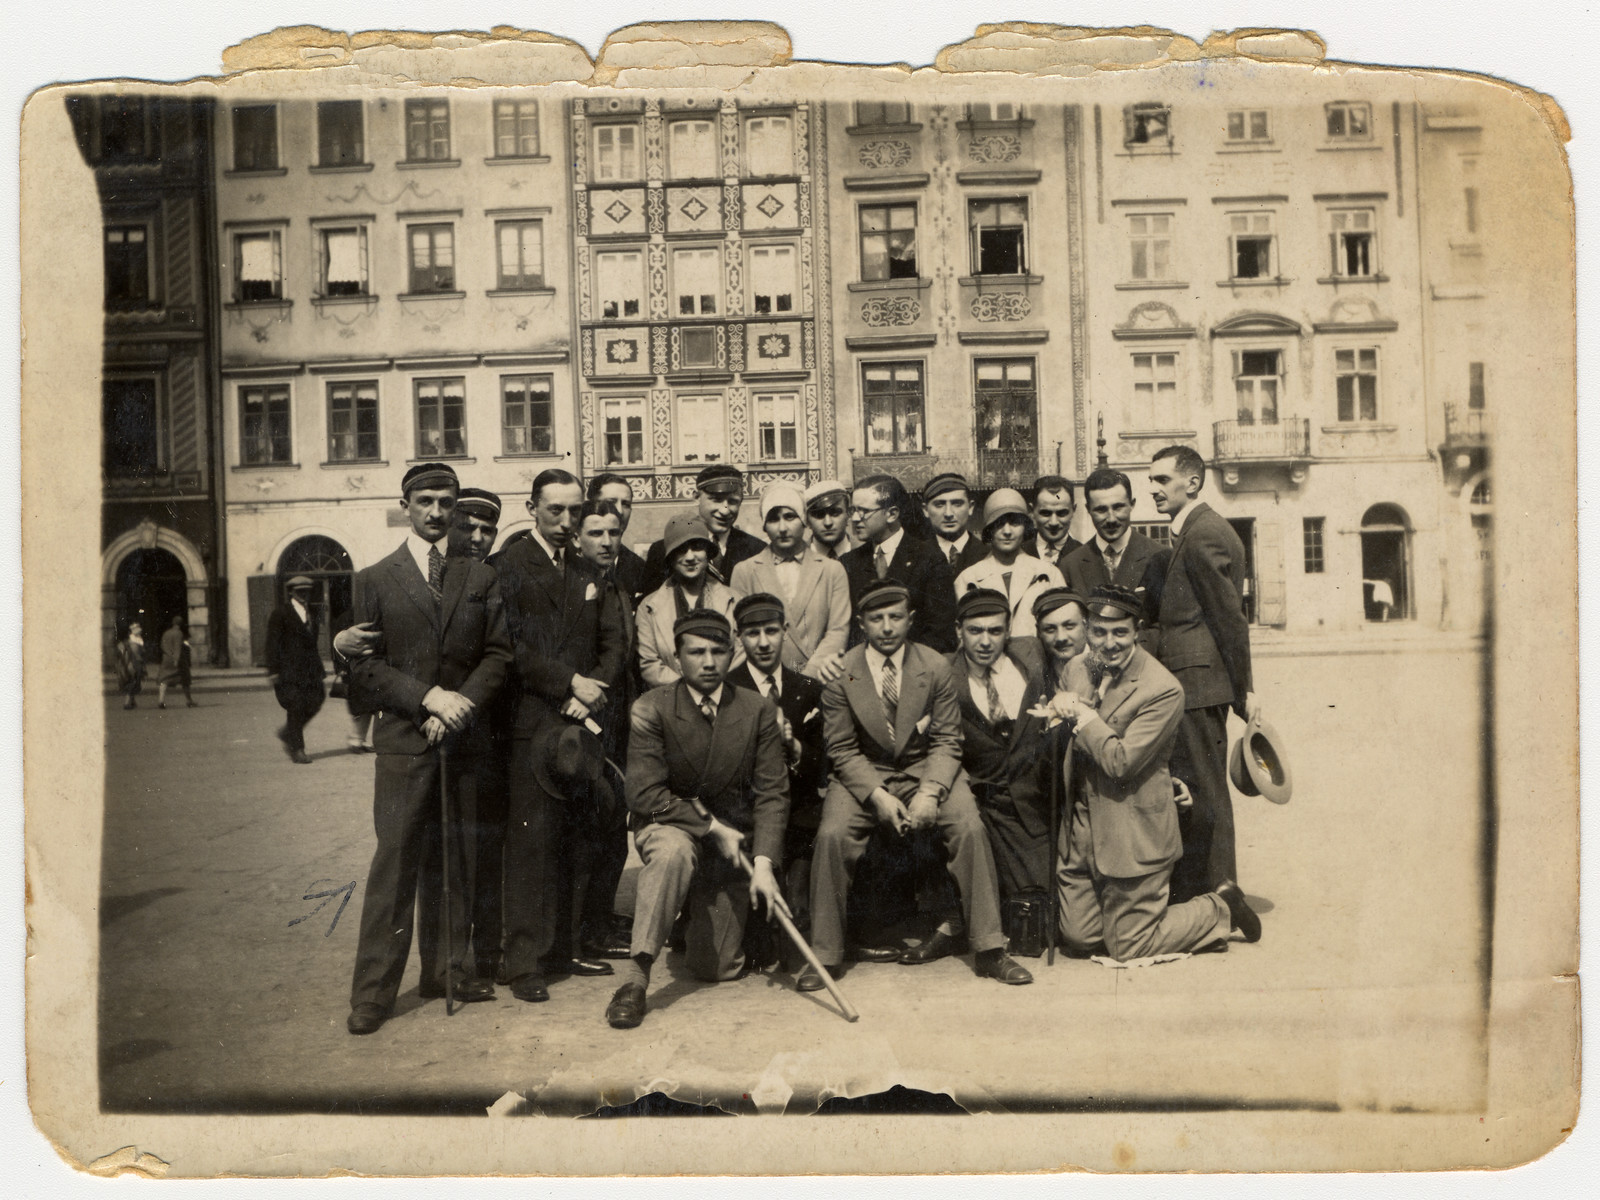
column 770, row 251
column 517, row 131
column 528, row 426
column 322, row 232
column 239, row 110
column 134, row 107
column 1149, row 240
column 604, row 276
column 432, row 229
column 1358, row 371
column 684, row 427
column 440, row 383
column 863, row 234
column 986, row 112
column 1314, row 545
column 598, row 157
column 796, row 427
column 126, row 227
column 355, row 433
column 785, row 158
column 708, row 155
column 1136, row 136
column 162, row 464
column 1011, row 389
column 920, row 367
column 697, row 300
column 975, row 235
column 325, row 108
column 1279, row 391
column 625, row 408
column 243, row 393
column 1273, row 267
column 236, row 238
column 521, row 281
column 1152, row 385
column 1337, row 244
column 1247, row 135
column 865, row 118
column 1345, row 110
column 432, row 147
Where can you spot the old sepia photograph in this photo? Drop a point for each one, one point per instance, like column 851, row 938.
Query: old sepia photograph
column 707, row 585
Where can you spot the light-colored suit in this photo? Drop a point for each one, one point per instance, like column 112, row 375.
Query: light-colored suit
column 658, row 612
column 817, row 616
column 1119, row 847
column 1029, row 577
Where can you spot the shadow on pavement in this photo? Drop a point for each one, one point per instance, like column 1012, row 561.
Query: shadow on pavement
column 114, row 908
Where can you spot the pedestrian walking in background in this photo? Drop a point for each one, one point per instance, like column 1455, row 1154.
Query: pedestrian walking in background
column 175, row 663
column 130, row 663
column 294, row 665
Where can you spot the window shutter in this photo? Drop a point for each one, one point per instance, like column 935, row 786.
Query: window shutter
column 261, row 595
column 1271, row 604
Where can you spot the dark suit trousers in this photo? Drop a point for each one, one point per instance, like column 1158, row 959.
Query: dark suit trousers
column 1200, row 759
column 301, row 701
column 1021, row 859
column 488, row 841
column 537, row 888
column 405, row 815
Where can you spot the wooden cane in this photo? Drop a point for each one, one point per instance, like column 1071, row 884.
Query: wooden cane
column 1053, row 900
column 444, row 851
column 848, row 1009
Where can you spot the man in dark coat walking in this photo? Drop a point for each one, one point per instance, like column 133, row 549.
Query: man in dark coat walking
column 294, row 665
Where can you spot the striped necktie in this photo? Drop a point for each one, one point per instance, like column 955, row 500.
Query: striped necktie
column 436, row 573
column 891, row 692
column 997, row 712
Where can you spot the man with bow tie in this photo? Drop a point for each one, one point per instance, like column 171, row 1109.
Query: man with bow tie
column 1121, row 841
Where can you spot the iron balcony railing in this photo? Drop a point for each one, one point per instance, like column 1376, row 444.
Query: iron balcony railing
column 1277, row 441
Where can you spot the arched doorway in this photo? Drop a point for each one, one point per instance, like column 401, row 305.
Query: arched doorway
column 332, row 576
column 1386, row 563
column 151, row 588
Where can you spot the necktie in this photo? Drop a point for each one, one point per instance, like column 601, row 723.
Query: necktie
column 952, row 552
column 1111, row 559
column 891, row 692
column 767, row 686
column 882, row 562
column 992, row 695
column 436, row 573
column 709, row 709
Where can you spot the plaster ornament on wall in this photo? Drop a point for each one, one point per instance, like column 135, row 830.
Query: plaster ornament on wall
column 884, row 155
column 890, row 310
column 1001, row 306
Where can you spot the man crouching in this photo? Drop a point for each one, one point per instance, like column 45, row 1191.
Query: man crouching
column 705, row 771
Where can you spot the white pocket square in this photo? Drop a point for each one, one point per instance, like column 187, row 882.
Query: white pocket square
column 922, row 725
column 589, row 592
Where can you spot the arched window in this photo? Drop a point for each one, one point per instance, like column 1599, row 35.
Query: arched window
column 1386, row 563
column 332, row 576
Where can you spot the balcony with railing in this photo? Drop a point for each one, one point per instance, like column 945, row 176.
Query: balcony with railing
column 1464, row 427
column 1286, row 440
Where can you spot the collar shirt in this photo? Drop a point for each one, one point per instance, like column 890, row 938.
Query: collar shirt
column 1008, row 682
column 889, row 545
column 875, row 662
column 300, row 610
column 768, row 685
column 788, row 571
column 1120, row 545
column 418, row 549
column 555, row 555
column 1181, row 516
column 700, row 698
column 953, row 549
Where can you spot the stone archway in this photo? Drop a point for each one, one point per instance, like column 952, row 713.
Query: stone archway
column 146, row 536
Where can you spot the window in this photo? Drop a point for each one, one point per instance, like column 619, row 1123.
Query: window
column 1352, row 237
column 133, row 446
column 1150, row 246
column 888, row 241
column 769, row 146
column 983, row 114
column 433, row 258
column 1257, row 384
column 1356, row 376
column 1007, row 407
column 616, row 153
column 771, row 279
column 441, row 417
column 1249, row 125
column 353, row 422
column 1469, row 208
column 697, row 348
column 702, row 433
column 778, row 427
column 257, row 266
column 891, row 394
column 1147, row 125
column 255, row 137
column 521, row 255
column 619, row 283
column 427, row 130
column 1311, row 528
column 889, row 112
column 127, row 266
column 1155, row 391
column 692, row 150
column 516, row 128
column 1475, row 393
column 125, row 131
column 624, row 432
column 999, row 236
column 339, row 135
column 697, row 280
column 343, row 261
column 527, row 414
column 1349, row 120
column 1250, row 245
column 264, row 425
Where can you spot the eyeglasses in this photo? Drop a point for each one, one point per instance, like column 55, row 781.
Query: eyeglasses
column 858, row 513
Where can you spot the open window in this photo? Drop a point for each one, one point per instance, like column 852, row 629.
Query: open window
column 999, row 230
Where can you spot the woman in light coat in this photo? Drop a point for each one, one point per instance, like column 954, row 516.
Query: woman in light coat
column 689, row 545
column 1020, row 577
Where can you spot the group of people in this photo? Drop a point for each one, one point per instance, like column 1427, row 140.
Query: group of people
column 820, row 723
column 174, row 666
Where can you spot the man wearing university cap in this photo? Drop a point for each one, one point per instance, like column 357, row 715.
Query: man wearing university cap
column 719, row 494
column 947, row 503
column 828, row 517
column 1061, row 631
column 477, row 523
column 1121, row 841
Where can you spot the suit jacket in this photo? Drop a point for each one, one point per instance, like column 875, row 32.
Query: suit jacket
column 629, row 573
column 734, row 768
column 862, row 748
column 926, row 572
column 561, row 624
column 459, row 644
column 658, row 612
column 1029, row 578
column 1119, row 764
column 800, row 701
column 1059, row 561
column 975, row 551
column 741, row 545
column 1143, row 565
column 1012, row 753
column 1205, row 639
column 292, row 653
column 817, row 616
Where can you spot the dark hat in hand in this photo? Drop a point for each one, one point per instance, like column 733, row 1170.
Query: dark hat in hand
column 566, row 755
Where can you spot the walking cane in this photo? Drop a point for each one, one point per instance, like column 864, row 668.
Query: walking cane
column 444, row 851
column 810, row 955
column 1053, row 900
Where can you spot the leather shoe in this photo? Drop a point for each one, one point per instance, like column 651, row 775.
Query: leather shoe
column 626, row 1009
column 587, row 966
column 940, row 945
column 810, row 981
column 876, row 954
column 366, row 1018
column 464, row 991
column 613, row 947
column 530, row 988
column 997, row 964
column 1239, row 911
column 299, row 756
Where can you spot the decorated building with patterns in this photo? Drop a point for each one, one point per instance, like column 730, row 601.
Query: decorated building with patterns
column 162, row 533
column 394, row 268
column 700, row 286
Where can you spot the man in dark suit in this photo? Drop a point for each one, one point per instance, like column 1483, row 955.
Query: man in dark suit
column 1003, row 746
column 1120, row 844
column 1118, row 553
column 568, row 643
column 1205, row 643
column 884, row 548
column 760, row 620
column 628, row 569
column 294, row 665
column 1054, row 502
column 705, row 775
column 947, row 503
column 440, row 656
column 720, row 493
column 893, row 732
